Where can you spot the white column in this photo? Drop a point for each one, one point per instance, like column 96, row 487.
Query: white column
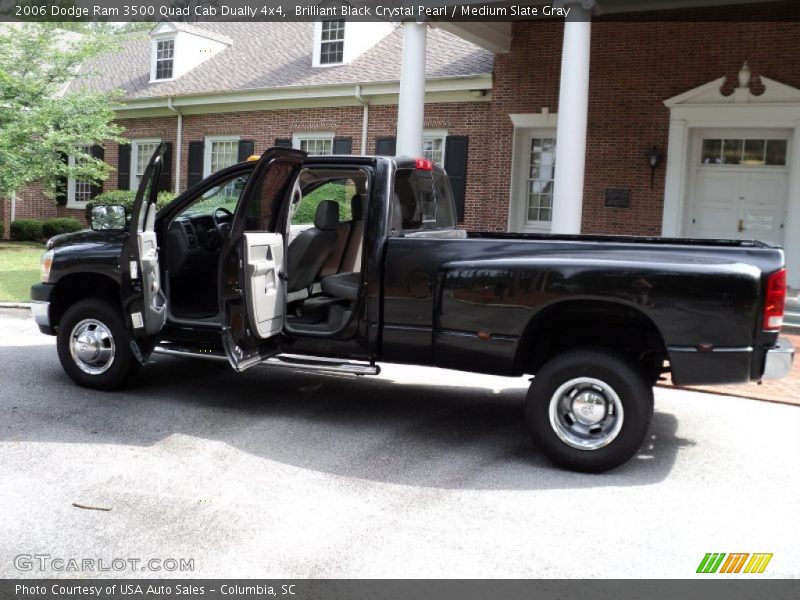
column 573, row 108
column 411, row 104
column 674, row 184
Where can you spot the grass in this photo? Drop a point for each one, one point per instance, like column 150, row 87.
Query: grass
column 19, row 270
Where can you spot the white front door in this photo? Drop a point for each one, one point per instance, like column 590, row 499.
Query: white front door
column 745, row 203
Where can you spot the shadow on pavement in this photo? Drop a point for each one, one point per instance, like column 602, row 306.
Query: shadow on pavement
column 369, row 428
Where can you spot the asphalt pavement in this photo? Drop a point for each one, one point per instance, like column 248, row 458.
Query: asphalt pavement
column 415, row 473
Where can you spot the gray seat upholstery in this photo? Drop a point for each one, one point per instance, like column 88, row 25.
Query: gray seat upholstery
column 343, row 285
column 309, row 250
column 351, row 257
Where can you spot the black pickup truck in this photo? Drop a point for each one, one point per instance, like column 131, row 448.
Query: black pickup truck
column 266, row 262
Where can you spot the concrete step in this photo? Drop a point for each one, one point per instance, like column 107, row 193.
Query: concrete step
column 791, row 316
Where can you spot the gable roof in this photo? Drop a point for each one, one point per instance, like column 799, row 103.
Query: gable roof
column 274, row 55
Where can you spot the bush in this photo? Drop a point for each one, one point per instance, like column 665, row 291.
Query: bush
column 26, row 230
column 61, row 225
column 2, row 230
column 125, row 198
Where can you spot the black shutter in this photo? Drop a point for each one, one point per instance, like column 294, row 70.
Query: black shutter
column 246, row 149
column 283, row 142
column 124, row 167
column 165, row 182
column 62, row 183
column 194, row 172
column 98, row 153
column 386, row 146
column 456, row 152
column 342, row 145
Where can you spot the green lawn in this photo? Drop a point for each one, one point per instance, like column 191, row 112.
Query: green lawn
column 19, row 269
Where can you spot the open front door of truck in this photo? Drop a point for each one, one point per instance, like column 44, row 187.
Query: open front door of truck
column 252, row 280
column 143, row 301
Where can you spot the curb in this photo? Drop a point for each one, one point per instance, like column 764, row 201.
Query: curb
column 15, row 305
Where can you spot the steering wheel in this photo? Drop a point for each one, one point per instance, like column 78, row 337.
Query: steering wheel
column 222, row 226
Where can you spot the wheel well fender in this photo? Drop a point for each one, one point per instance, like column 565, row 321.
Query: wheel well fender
column 569, row 324
column 81, row 286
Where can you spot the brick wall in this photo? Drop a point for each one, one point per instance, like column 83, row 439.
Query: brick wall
column 635, row 66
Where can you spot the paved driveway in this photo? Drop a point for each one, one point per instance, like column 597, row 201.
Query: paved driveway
column 416, row 473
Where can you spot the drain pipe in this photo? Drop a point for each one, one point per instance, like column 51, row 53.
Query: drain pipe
column 364, row 120
column 179, row 143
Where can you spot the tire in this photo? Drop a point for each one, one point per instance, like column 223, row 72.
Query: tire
column 589, row 410
column 105, row 360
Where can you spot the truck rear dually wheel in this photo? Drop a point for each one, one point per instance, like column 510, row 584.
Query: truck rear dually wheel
column 94, row 346
column 589, row 410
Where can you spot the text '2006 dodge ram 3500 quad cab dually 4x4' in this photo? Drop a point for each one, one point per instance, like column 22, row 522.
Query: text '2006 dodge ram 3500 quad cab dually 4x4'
column 255, row 265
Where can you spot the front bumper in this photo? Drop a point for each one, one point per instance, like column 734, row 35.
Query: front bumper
column 40, row 306
column 779, row 360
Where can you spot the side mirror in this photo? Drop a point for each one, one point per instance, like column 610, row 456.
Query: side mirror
column 108, row 218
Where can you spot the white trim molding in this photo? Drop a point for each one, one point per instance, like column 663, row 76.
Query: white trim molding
column 705, row 107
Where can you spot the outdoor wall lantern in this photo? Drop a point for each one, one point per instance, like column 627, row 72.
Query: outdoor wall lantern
column 654, row 157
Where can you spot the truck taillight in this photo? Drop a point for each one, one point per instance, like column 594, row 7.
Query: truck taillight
column 775, row 300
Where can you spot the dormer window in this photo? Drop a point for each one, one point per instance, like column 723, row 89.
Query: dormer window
column 165, row 56
column 331, row 49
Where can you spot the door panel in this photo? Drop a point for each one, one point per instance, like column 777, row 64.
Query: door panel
column 143, row 301
column 739, row 204
column 265, row 289
column 252, row 287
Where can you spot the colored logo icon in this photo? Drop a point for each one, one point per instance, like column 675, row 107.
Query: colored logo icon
column 741, row 562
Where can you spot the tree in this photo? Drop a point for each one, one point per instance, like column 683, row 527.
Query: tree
column 44, row 115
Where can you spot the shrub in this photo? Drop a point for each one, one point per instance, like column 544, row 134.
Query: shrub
column 125, row 198
column 26, row 230
column 61, row 225
column 2, row 230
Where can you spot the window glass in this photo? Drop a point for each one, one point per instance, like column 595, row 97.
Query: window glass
column 445, row 215
column 224, row 195
column 224, row 153
column 776, row 152
column 332, row 47
column 81, row 190
column 732, row 151
column 144, row 151
column 433, row 149
column 751, row 151
column 413, row 203
column 712, row 152
column 165, row 50
column 340, row 190
column 541, row 179
column 318, row 146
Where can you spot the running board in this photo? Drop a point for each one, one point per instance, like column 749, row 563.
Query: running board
column 298, row 362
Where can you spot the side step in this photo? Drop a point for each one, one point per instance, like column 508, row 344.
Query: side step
column 298, row 362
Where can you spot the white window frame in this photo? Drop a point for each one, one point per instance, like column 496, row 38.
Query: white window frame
column 134, row 154
column 305, row 136
column 434, row 134
column 71, row 188
column 209, row 143
column 317, row 54
column 154, row 54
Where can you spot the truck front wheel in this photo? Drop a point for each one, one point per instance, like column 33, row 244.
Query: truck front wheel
column 589, row 410
column 94, row 346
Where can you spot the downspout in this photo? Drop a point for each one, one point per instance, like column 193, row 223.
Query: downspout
column 179, row 143
column 364, row 119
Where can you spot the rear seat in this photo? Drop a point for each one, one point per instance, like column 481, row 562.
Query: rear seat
column 345, row 284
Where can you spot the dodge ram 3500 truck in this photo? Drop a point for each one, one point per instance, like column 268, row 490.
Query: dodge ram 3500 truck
column 257, row 265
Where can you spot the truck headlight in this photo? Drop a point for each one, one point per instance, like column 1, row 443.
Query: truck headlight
column 44, row 264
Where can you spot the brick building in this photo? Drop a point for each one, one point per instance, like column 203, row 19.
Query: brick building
column 710, row 93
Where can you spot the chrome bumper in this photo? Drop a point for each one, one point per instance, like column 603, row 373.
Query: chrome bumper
column 779, row 360
column 40, row 311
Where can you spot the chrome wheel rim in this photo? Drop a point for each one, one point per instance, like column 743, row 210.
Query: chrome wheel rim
column 91, row 346
column 586, row 413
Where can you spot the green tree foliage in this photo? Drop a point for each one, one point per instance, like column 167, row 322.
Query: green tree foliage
column 42, row 120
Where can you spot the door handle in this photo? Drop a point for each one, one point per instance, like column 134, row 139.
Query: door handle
column 741, row 225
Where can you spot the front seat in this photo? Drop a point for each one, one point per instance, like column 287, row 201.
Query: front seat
column 310, row 249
